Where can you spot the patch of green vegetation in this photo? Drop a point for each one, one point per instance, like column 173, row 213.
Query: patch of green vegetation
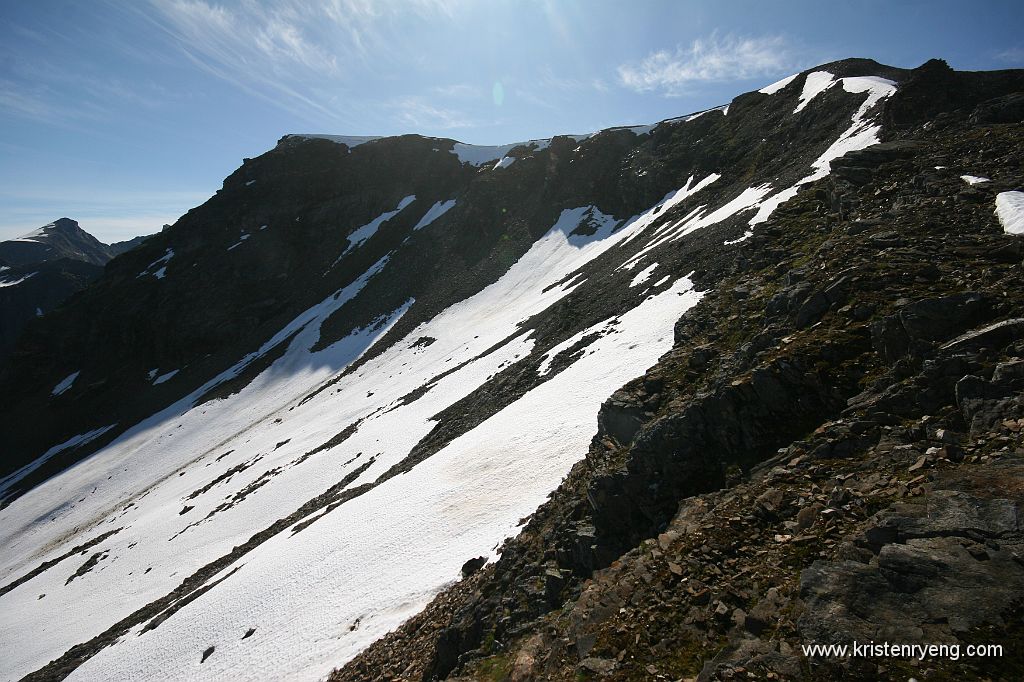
column 494, row 668
column 487, row 644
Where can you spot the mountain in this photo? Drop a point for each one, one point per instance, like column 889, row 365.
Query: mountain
column 62, row 238
column 117, row 248
column 667, row 398
column 40, row 270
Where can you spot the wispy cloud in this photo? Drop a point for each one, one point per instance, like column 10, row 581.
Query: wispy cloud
column 285, row 52
column 417, row 114
column 551, row 81
column 459, row 91
column 38, row 103
column 1012, row 55
column 715, row 58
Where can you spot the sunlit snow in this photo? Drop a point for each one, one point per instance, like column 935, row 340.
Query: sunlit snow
column 1010, row 211
column 303, row 592
column 778, row 85
column 643, row 275
column 504, row 162
column 814, row 84
column 434, row 212
column 361, row 234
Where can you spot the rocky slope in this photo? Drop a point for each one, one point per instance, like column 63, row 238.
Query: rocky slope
column 40, row 270
column 275, row 431
column 30, row 291
column 832, row 452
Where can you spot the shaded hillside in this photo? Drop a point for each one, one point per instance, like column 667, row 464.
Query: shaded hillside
column 40, row 270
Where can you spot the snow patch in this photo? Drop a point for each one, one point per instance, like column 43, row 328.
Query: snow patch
column 640, row 222
column 161, row 261
column 8, row 481
column 778, row 85
column 434, row 212
column 600, row 328
column 350, row 141
column 643, row 275
column 15, row 282
column 643, row 129
column 814, row 84
column 768, row 206
column 862, row 133
column 241, row 239
column 692, row 117
column 974, row 179
column 698, row 219
column 478, row 155
column 1010, row 211
column 504, row 162
column 361, row 234
column 165, row 377
column 65, row 383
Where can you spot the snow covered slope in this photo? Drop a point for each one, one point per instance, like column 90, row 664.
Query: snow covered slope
column 322, row 409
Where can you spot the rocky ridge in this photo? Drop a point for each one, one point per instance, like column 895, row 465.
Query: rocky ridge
column 831, row 453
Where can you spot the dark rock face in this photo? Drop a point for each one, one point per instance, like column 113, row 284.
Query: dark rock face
column 928, row 320
column 47, row 267
column 472, row 566
column 39, row 288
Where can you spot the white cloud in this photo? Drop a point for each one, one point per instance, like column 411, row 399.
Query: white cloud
column 714, row 58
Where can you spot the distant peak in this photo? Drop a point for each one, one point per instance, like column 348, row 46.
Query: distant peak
column 65, row 223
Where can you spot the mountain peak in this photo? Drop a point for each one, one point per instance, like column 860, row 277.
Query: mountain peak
column 63, row 238
column 65, row 223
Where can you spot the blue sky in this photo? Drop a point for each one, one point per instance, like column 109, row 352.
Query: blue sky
column 125, row 114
